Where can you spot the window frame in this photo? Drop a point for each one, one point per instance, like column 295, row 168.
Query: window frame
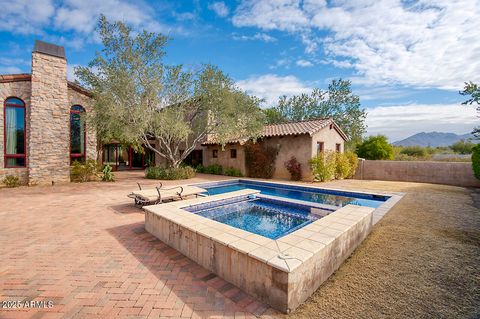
column 5, row 155
column 232, row 152
column 75, row 156
column 338, row 147
column 320, row 147
column 214, row 153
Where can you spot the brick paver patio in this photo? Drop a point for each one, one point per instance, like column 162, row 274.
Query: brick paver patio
column 84, row 247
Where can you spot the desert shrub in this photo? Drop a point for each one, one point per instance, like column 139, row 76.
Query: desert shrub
column 11, row 181
column 463, row 147
column 323, row 166
column 200, row 168
column 343, row 166
column 375, row 148
column 107, row 174
column 84, row 171
column 353, row 159
column 260, row 160
column 476, row 160
column 215, row 169
column 294, row 168
column 183, row 172
column 233, row 172
column 414, row 151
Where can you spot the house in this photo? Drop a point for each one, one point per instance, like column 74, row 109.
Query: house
column 303, row 139
column 43, row 130
column 41, row 124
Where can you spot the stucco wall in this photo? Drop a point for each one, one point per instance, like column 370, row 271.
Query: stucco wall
column 21, row 90
column 299, row 146
column 329, row 137
column 224, row 158
column 459, row 174
column 76, row 98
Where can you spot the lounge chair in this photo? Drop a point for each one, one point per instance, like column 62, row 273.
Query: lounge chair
column 158, row 195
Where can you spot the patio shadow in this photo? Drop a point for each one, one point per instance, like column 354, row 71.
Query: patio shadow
column 177, row 283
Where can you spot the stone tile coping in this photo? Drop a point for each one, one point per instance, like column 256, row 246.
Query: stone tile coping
column 285, row 253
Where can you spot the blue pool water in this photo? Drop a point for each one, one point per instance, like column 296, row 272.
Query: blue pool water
column 322, row 196
column 265, row 217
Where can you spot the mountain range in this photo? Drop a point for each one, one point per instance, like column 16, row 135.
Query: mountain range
column 432, row 139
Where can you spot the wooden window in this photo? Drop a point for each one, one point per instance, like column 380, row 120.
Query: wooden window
column 215, row 153
column 14, row 133
column 233, row 153
column 319, row 147
column 338, row 147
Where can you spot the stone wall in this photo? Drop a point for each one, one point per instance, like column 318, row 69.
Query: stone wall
column 448, row 173
column 77, row 98
column 22, row 90
column 49, row 121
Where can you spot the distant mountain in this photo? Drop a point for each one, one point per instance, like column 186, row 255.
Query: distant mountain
column 432, row 139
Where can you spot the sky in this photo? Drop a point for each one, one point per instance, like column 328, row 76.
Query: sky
column 407, row 60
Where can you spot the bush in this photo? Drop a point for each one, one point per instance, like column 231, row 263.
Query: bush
column 343, row 166
column 11, row 181
column 476, row 160
column 463, row 147
column 172, row 173
column 323, row 166
column 84, row 172
column 215, row 169
column 260, row 160
column 415, row 151
column 107, row 174
column 233, row 172
column 294, row 168
column 375, row 148
column 353, row 159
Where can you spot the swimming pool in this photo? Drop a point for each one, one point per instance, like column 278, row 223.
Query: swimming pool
column 309, row 194
column 266, row 217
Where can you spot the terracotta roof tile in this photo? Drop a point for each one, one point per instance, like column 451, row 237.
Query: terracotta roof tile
column 309, row 127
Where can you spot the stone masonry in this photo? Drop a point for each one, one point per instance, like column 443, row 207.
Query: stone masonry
column 48, row 145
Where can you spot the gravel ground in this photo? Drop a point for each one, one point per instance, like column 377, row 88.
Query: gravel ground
column 420, row 261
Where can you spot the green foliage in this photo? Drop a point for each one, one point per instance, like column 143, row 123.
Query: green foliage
column 343, row 166
column 215, row 169
column 84, row 171
column 107, row 174
column 231, row 171
column 323, row 166
column 462, row 147
column 472, row 91
column 260, row 160
column 171, row 173
column 375, row 148
column 11, row 181
column 294, row 168
column 138, row 97
column 353, row 160
column 414, row 151
column 338, row 102
column 476, row 160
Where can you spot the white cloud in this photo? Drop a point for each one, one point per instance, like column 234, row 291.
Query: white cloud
column 220, row 8
column 257, row 36
column 271, row 87
column 304, row 63
column 427, row 43
column 25, row 16
column 398, row 122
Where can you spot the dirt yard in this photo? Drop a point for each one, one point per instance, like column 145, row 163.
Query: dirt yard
column 420, row 261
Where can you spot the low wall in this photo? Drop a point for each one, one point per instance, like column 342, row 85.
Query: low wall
column 448, row 173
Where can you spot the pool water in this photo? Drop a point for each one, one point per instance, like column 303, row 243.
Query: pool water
column 265, row 217
column 322, row 196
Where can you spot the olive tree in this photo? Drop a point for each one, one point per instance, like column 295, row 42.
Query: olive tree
column 139, row 99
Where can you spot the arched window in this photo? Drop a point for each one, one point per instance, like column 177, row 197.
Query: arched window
column 77, row 133
column 14, row 130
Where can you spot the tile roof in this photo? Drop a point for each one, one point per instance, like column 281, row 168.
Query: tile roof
column 309, row 127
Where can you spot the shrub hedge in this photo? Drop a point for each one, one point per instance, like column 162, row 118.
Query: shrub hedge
column 260, row 160
column 476, row 160
column 172, row 173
